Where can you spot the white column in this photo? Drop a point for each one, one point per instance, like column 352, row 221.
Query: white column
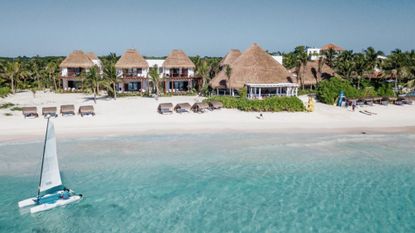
column 259, row 94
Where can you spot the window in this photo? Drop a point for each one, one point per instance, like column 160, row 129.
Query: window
column 134, row 86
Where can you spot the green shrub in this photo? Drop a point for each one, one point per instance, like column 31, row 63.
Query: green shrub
column 328, row 90
column 4, row 91
column 385, row 90
column 272, row 104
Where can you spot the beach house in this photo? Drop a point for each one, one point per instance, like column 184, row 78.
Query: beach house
column 314, row 54
column 132, row 69
column 72, row 67
column 258, row 72
column 178, row 73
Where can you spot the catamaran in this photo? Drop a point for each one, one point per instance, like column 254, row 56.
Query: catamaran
column 51, row 192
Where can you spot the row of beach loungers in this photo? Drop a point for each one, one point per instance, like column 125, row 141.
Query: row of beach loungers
column 384, row 101
column 64, row 110
column 168, row 108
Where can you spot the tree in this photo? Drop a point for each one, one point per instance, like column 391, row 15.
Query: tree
column 92, row 80
column 329, row 56
column 13, row 72
column 155, row 79
column 110, row 73
column 228, row 73
column 203, row 71
column 53, row 72
column 344, row 64
column 359, row 66
column 301, row 59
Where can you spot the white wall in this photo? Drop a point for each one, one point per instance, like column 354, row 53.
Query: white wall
column 279, row 59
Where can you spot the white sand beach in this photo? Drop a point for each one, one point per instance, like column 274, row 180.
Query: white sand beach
column 138, row 115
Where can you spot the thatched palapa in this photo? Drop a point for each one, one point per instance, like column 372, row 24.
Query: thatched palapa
column 91, row 55
column 253, row 66
column 77, row 59
column 230, row 57
column 178, row 59
column 333, row 47
column 312, row 75
column 131, row 59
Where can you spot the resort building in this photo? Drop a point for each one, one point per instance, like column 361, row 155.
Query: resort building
column 133, row 70
column 178, row 73
column 72, row 67
column 313, row 73
column 258, row 72
column 314, row 54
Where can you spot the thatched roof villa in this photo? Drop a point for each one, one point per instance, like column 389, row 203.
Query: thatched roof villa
column 72, row 66
column 312, row 75
column 178, row 73
column 257, row 71
column 133, row 69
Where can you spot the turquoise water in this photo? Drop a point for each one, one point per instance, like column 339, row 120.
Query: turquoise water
column 219, row 183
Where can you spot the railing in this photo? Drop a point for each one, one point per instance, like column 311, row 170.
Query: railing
column 133, row 75
column 182, row 75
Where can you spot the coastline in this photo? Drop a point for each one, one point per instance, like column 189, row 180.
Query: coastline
column 138, row 116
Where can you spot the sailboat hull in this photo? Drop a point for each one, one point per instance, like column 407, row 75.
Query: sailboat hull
column 27, row 203
column 60, row 202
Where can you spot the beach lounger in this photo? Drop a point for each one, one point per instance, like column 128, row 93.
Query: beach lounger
column 407, row 101
column 360, row 102
column 400, row 101
column 30, row 112
column 214, row 105
column 384, row 101
column 165, row 108
column 200, row 107
column 67, row 110
column 369, row 102
column 182, row 107
column 49, row 112
column 87, row 110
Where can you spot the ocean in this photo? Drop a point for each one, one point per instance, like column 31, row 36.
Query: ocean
column 218, row 182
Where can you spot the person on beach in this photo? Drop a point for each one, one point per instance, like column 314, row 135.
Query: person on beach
column 353, row 105
column 260, row 117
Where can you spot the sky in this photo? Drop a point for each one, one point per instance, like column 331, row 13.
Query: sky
column 206, row 28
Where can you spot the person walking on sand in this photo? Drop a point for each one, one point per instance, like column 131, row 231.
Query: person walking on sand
column 353, row 105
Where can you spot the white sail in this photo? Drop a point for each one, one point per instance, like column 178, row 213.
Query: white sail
column 50, row 173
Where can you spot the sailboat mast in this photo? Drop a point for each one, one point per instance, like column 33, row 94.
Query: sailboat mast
column 43, row 158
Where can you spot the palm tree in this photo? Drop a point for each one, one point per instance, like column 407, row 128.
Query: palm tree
column 13, row 72
column 344, row 64
column 203, row 71
column 372, row 60
column 301, row 59
column 110, row 74
column 155, row 79
column 92, row 80
column 52, row 71
column 228, row 73
column 329, row 57
column 395, row 65
column 359, row 67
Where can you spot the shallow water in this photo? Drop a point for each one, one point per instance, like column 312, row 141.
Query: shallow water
column 219, row 183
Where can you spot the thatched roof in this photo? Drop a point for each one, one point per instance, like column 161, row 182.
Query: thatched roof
column 131, row 59
column 178, row 59
column 253, row 66
column 230, row 57
column 311, row 76
column 91, row 55
column 332, row 46
column 77, row 59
